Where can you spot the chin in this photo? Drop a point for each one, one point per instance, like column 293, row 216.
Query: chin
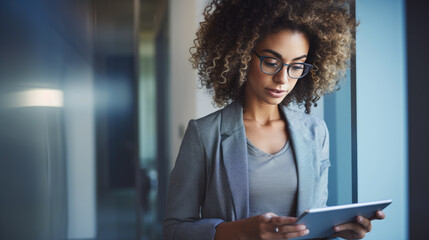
column 274, row 101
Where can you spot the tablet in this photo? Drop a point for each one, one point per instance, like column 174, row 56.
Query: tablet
column 321, row 221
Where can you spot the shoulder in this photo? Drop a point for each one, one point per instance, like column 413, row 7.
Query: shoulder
column 224, row 120
column 304, row 118
column 220, row 123
column 206, row 133
column 306, row 123
column 210, row 120
column 207, row 128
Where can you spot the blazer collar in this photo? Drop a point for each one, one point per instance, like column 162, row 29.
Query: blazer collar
column 232, row 119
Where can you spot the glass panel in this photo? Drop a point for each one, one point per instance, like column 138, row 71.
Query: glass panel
column 116, row 120
column 153, row 82
column 68, row 120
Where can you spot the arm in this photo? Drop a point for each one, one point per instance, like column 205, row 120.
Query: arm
column 186, row 192
column 324, row 164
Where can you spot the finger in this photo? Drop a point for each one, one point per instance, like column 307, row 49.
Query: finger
column 348, row 234
column 347, row 226
column 288, row 235
column 358, row 231
column 290, row 228
column 378, row 215
column 365, row 223
column 282, row 220
column 294, row 234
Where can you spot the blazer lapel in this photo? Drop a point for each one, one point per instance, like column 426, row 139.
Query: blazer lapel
column 234, row 152
column 304, row 156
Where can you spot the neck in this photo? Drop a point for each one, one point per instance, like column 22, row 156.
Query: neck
column 262, row 113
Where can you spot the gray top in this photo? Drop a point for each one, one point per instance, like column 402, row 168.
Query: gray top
column 272, row 181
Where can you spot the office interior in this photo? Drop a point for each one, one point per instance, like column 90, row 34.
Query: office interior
column 95, row 96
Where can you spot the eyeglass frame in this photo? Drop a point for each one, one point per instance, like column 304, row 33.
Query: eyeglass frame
column 261, row 58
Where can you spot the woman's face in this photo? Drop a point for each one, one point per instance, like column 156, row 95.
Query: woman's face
column 287, row 46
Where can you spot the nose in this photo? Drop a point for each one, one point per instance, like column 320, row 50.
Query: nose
column 282, row 76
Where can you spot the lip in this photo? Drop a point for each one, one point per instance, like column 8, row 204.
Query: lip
column 277, row 93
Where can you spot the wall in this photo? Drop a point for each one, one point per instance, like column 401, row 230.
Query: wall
column 381, row 112
column 80, row 144
column 338, row 115
column 187, row 101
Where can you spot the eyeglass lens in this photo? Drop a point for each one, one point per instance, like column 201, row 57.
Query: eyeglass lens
column 273, row 66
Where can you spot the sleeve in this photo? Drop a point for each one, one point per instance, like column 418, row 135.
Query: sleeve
column 324, row 171
column 186, row 192
column 324, row 165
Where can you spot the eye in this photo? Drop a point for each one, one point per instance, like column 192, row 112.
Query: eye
column 297, row 67
column 270, row 62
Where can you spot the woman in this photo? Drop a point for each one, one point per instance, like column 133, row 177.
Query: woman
column 247, row 171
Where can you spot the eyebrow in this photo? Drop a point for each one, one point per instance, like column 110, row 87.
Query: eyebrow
column 278, row 55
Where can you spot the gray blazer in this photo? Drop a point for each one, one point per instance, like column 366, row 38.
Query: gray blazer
column 209, row 183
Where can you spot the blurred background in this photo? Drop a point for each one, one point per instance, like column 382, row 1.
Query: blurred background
column 95, row 96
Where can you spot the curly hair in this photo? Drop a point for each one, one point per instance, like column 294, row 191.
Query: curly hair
column 231, row 29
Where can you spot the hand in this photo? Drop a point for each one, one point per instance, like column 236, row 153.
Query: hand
column 358, row 229
column 265, row 226
column 271, row 226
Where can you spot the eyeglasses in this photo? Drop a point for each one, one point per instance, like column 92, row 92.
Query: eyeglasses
column 272, row 66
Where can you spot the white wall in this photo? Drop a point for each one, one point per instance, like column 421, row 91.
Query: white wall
column 80, row 144
column 187, row 102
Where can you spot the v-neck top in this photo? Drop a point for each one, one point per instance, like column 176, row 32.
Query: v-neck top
column 273, row 181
